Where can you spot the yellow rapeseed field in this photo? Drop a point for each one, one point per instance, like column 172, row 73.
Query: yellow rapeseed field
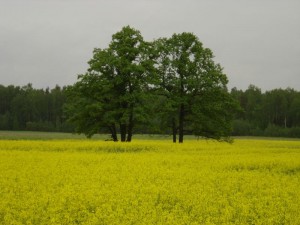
column 149, row 182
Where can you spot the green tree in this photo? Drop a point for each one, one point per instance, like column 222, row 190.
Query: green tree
column 196, row 97
column 295, row 110
column 114, row 90
column 241, row 98
column 277, row 107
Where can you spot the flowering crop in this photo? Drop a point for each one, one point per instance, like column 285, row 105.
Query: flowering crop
column 149, row 182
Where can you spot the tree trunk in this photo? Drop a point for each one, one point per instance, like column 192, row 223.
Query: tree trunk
column 123, row 132
column 130, row 120
column 174, row 128
column 285, row 122
column 181, row 118
column 181, row 111
column 114, row 132
column 130, row 126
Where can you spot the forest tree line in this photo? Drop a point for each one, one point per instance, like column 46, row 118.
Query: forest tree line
column 274, row 113
column 27, row 108
column 271, row 113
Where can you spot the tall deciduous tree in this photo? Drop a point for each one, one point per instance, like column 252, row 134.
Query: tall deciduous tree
column 113, row 91
column 194, row 88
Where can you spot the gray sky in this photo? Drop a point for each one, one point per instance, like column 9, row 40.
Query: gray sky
column 48, row 42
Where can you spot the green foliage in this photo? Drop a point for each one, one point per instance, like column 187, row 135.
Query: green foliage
column 114, row 90
column 212, row 114
column 294, row 132
column 40, row 126
column 5, row 121
column 277, row 131
column 196, row 97
column 241, row 128
column 26, row 108
column 273, row 113
column 172, row 82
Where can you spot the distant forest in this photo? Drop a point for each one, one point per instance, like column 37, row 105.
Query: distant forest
column 274, row 113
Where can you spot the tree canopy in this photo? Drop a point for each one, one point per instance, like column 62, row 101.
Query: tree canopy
column 113, row 92
column 195, row 88
column 124, row 80
column 26, row 108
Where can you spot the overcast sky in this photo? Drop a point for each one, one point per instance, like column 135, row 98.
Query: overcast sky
column 48, row 42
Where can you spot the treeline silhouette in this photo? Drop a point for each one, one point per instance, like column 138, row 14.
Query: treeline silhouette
column 27, row 108
column 274, row 113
